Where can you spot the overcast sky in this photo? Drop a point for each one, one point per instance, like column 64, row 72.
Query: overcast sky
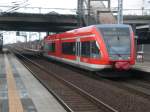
column 70, row 4
column 73, row 3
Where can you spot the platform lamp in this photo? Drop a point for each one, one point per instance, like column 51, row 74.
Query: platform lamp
column 120, row 12
column 143, row 7
column 143, row 1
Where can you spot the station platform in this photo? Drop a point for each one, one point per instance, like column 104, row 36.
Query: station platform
column 142, row 66
column 20, row 91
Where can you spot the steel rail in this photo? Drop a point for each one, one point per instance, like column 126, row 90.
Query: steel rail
column 80, row 91
column 65, row 106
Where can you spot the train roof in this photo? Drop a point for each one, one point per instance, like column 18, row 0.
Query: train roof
column 89, row 28
column 85, row 30
column 111, row 25
column 98, row 26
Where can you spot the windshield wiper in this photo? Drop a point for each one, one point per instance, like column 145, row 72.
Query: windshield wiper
column 118, row 37
column 111, row 48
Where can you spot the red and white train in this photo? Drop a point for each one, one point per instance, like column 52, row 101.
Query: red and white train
column 94, row 47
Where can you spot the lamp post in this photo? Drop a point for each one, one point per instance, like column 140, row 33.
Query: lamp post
column 120, row 11
column 142, row 47
column 143, row 1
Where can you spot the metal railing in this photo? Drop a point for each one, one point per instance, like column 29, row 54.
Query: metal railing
column 40, row 10
column 37, row 10
column 144, row 12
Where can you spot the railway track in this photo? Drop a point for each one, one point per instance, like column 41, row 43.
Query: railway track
column 71, row 97
column 128, row 87
column 128, row 99
column 137, row 82
column 137, row 85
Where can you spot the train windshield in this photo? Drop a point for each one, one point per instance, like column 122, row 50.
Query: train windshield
column 117, row 40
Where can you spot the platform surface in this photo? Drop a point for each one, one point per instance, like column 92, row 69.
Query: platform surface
column 143, row 66
column 20, row 91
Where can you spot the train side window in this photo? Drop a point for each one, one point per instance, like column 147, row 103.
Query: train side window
column 68, row 48
column 52, row 47
column 95, row 52
column 90, row 49
column 85, row 49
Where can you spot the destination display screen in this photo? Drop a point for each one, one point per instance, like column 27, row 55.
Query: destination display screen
column 118, row 32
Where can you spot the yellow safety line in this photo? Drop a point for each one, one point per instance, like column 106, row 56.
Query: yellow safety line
column 15, row 104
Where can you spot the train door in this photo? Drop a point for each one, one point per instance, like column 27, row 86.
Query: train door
column 78, row 50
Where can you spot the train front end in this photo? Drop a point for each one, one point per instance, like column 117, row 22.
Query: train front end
column 119, row 42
